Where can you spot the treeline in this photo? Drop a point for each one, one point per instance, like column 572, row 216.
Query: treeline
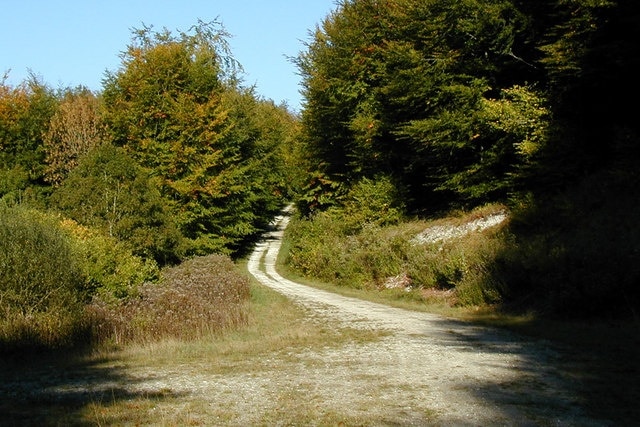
column 463, row 103
column 174, row 158
column 412, row 109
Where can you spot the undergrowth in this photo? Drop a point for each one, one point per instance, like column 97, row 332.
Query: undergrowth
column 63, row 285
column 569, row 254
column 41, row 282
column 575, row 254
column 381, row 258
column 201, row 297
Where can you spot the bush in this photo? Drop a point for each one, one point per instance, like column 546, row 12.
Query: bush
column 110, row 192
column 202, row 296
column 41, row 282
column 379, row 257
column 110, row 270
column 374, row 201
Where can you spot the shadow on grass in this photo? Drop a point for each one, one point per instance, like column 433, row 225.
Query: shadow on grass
column 58, row 389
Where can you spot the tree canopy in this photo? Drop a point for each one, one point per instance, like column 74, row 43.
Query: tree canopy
column 173, row 144
column 25, row 112
column 463, row 102
column 177, row 107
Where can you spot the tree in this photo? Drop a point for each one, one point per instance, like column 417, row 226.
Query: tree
column 25, row 112
column 590, row 57
column 75, row 129
column 110, row 192
column 398, row 87
column 177, row 107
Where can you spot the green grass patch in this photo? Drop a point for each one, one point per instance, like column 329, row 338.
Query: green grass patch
column 388, row 259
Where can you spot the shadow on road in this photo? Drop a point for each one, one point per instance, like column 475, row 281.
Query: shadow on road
column 598, row 363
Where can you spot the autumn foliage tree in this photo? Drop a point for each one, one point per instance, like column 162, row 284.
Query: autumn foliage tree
column 176, row 105
column 74, row 130
column 25, row 112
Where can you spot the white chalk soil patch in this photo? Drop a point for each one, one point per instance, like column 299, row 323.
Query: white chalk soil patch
column 442, row 233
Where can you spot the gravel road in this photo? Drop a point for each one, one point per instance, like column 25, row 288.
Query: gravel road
column 427, row 370
column 424, row 370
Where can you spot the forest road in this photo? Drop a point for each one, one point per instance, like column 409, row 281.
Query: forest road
column 420, row 370
column 426, row 369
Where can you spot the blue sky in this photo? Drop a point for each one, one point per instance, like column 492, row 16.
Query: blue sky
column 73, row 42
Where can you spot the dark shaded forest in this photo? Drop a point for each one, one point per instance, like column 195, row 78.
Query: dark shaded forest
column 464, row 103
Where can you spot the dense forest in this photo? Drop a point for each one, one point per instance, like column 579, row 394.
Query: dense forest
column 412, row 109
column 462, row 102
column 459, row 104
column 175, row 158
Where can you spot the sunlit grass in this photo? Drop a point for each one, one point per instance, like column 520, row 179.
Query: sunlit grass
column 450, row 277
column 276, row 330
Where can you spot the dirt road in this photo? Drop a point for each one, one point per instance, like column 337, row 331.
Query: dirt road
column 428, row 370
column 424, row 370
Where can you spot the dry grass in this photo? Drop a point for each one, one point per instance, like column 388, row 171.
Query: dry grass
column 274, row 328
column 201, row 297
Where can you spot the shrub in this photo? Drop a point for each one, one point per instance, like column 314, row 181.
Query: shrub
column 377, row 257
column 110, row 192
column 373, row 201
column 111, row 270
column 335, row 245
column 41, row 282
column 202, row 296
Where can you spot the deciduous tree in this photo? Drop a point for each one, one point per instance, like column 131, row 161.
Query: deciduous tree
column 75, row 129
column 25, row 111
column 110, row 192
column 177, row 106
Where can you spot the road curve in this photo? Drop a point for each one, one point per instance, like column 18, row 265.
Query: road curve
column 435, row 371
